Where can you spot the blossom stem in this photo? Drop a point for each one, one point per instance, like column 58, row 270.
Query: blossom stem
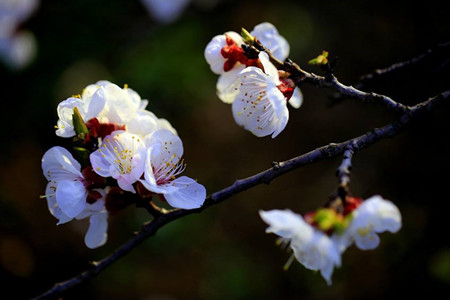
column 343, row 173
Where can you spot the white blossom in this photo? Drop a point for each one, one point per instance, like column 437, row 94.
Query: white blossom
column 65, row 183
column 312, row 248
column 260, row 106
column 66, row 195
column 226, row 57
column 120, row 156
column 374, row 215
column 216, row 49
column 163, row 165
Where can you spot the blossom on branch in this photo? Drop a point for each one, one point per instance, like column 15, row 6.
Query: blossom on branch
column 257, row 91
column 163, row 165
column 312, row 248
column 68, row 196
column 128, row 155
column 319, row 239
column 261, row 104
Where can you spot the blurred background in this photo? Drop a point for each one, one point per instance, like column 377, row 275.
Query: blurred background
column 223, row 253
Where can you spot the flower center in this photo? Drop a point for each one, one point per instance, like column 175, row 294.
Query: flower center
column 233, row 53
column 117, row 155
column 286, row 87
column 168, row 170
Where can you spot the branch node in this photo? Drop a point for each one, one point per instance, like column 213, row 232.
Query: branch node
column 275, row 165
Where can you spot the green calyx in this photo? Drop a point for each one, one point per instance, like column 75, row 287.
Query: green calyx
column 328, row 219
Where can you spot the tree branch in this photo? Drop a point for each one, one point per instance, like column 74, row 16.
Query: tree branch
column 330, row 81
column 278, row 169
column 439, row 49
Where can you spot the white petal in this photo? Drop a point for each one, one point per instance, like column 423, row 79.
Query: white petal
column 213, row 51
column 286, row 224
column 94, row 106
column 164, row 124
column 134, row 96
column 268, row 35
column 126, row 181
column 143, row 104
column 387, row 215
column 213, row 54
column 281, row 112
column 189, row 194
column 318, row 253
column 269, row 68
column 55, row 210
column 65, row 113
column 119, row 108
column 96, row 235
column 144, row 123
column 296, row 99
column 166, row 146
column 59, row 164
column 71, row 197
column 96, row 207
column 228, row 84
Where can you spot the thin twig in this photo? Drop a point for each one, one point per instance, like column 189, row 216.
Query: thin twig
column 278, row 169
column 441, row 48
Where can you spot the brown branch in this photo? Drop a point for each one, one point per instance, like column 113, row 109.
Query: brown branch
column 278, row 169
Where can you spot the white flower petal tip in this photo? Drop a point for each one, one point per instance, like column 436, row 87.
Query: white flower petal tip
column 190, row 194
column 312, row 248
column 297, row 98
column 96, row 235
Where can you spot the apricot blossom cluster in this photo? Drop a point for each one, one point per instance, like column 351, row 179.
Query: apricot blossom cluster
column 126, row 153
column 319, row 238
column 257, row 91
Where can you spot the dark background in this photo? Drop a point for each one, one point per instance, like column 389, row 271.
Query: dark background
column 224, row 253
